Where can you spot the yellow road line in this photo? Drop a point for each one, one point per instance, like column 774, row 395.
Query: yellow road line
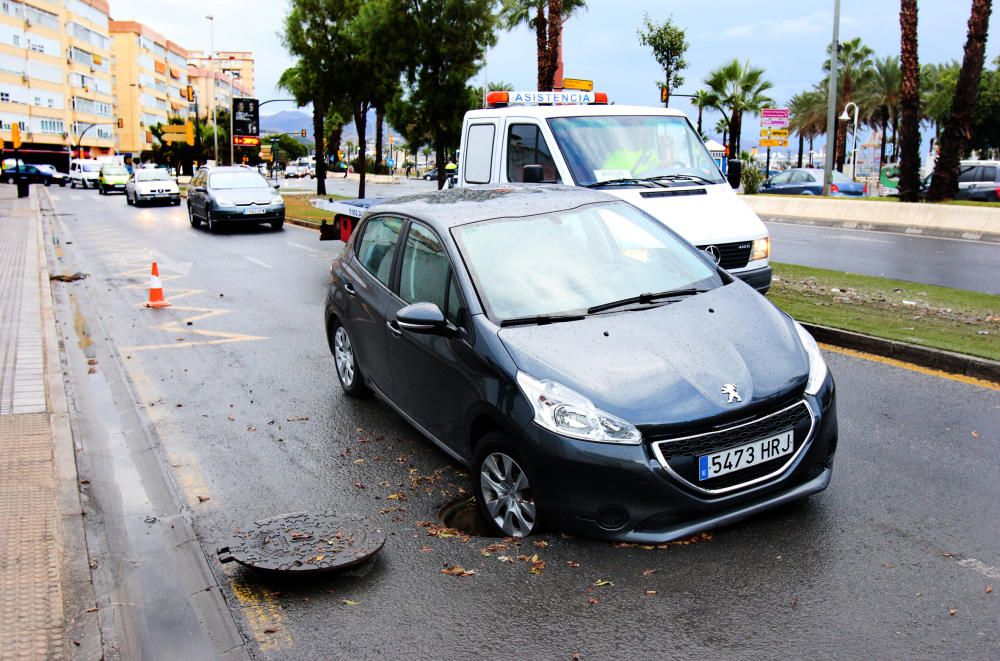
column 960, row 378
column 180, row 326
column 264, row 616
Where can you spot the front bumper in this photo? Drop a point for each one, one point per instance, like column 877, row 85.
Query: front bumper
column 271, row 214
column 759, row 279
column 173, row 198
column 623, row 493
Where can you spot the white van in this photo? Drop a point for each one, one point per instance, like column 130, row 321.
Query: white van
column 650, row 157
column 84, row 172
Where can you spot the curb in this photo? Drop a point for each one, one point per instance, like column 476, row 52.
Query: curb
column 938, row 359
column 935, row 232
column 302, row 223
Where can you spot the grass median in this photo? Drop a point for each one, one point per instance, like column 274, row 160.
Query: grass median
column 298, row 207
column 931, row 316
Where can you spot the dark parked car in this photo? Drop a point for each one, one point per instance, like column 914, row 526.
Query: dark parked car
column 808, row 181
column 596, row 372
column 33, row 173
column 977, row 180
column 233, row 195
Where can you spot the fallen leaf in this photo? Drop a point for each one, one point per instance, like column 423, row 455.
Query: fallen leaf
column 505, row 558
column 359, row 461
column 794, row 602
column 271, row 630
column 297, row 418
column 92, row 610
column 359, row 485
column 952, row 611
column 319, row 558
column 202, row 499
column 989, row 589
column 602, row 582
column 947, row 554
column 231, row 418
column 537, row 567
column 888, row 565
column 349, row 602
column 975, row 434
column 593, row 601
column 575, row 657
column 648, row 572
column 650, row 593
column 426, row 549
column 572, row 564
column 456, row 570
column 541, row 544
column 252, row 428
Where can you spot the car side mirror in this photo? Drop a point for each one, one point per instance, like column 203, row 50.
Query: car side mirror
column 277, row 186
column 533, row 174
column 199, row 189
column 734, row 172
column 422, row 318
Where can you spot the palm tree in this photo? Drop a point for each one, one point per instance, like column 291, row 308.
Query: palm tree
column 722, row 126
column 499, row 86
column 880, row 97
column 548, row 32
column 854, row 67
column 301, row 84
column 701, row 100
column 808, row 117
column 909, row 104
column 737, row 89
column 955, row 135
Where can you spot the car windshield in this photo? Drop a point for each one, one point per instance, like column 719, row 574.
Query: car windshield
column 839, row 178
column 625, row 147
column 558, row 263
column 117, row 169
column 152, row 175
column 90, row 167
column 46, row 168
column 243, row 179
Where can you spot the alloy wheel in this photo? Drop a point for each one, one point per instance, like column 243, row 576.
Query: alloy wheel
column 343, row 354
column 507, row 495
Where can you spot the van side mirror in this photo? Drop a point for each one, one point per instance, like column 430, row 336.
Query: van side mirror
column 533, row 174
column 734, row 172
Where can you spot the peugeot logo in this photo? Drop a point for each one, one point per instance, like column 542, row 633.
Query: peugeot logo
column 714, row 253
column 730, row 390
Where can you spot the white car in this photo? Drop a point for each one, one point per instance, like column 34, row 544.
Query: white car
column 152, row 185
column 84, row 172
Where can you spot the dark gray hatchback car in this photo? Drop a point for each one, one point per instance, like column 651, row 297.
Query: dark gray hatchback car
column 596, row 372
column 230, row 195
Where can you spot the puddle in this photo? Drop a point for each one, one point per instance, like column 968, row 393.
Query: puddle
column 463, row 515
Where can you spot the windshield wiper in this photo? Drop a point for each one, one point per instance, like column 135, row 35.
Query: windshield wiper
column 620, row 182
column 682, row 177
column 540, row 319
column 645, row 298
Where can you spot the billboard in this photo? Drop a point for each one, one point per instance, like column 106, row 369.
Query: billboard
column 246, row 117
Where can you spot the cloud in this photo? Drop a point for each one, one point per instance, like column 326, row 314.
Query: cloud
column 786, row 28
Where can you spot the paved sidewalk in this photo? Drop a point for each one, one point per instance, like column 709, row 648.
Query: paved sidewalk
column 32, row 574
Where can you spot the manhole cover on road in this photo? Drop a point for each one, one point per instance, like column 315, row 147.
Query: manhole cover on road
column 304, row 542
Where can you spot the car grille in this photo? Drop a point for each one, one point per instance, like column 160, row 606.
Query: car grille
column 680, row 455
column 733, row 255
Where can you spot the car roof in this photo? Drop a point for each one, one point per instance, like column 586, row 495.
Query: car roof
column 542, row 112
column 460, row 206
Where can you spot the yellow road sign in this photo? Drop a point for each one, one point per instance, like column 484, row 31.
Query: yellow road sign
column 15, row 134
column 179, row 133
column 578, row 84
column 774, row 133
column 773, row 143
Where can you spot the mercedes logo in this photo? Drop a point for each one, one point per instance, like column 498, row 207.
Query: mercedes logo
column 714, row 253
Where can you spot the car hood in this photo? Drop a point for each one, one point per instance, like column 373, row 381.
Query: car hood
column 668, row 365
column 157, row 185
column 701, row 214
column 243, row 196
column 116, row 178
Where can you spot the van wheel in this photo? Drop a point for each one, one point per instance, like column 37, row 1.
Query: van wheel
column 128, row 200
column 502, row 488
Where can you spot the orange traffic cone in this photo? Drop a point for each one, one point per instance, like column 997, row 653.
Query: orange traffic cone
column 156, row 299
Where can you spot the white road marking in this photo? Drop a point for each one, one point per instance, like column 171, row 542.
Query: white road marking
column 299, row 246
column 257, row 262
column 54, row 198
column 76, row 197
column 981, row 567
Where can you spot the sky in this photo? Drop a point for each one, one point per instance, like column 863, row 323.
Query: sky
column 787, row 38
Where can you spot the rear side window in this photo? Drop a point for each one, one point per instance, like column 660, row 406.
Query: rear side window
column 377, row 247
column 423, row 276
column 781, row 178
column 988, row 173
column 526, row 146
column 800, row 177
column 967, row 173
column 479, row 153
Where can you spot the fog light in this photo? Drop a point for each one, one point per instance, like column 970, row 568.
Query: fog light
column 612, row 517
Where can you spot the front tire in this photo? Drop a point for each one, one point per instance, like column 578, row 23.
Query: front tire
column 277, row 225
column 192, row 218
column 348, row 372
column 503, row 489
column 128, row 200
column 213, row 226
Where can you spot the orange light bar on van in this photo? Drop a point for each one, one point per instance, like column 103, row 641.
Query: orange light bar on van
column 497, row 98
column 600, row 99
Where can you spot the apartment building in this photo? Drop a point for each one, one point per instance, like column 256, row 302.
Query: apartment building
column 151, row 78
column 224, row 89
column 55, row 78
column 235, row 64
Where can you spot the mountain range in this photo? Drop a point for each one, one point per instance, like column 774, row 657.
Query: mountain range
column 293, row 121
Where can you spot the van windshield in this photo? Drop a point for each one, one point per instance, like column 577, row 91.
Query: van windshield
column 632, row 147
column 90, row 167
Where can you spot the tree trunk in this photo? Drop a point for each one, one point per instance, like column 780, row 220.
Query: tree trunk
column 908, row 154
column 542, row 44
column 842, row 135
column 555, row 39
column 379, row 120
column 958, row 125
column 734, row 134
column 439, row 154
column 810, row 151
column 895, row 136
column 802, row 144
column 885, row 134
column 360, row 115
column 334, row 141
column 699, row 119
column 319, row 115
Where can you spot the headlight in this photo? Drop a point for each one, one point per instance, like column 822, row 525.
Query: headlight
column 567, row 412
column 761, row 249
column 817, row 366
column 277, row 199
column 219, row 202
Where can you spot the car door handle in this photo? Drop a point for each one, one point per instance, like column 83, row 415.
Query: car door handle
column 349, row 288
column 394, row 328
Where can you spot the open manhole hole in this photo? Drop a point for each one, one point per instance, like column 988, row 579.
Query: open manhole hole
column 305, row 542
column 463, row 515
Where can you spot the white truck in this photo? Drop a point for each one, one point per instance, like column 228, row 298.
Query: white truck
column 650, row 157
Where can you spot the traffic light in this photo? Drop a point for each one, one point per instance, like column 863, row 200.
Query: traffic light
column 189, row 94
column 15, row 135
column 391, row 138
column 663, row 95
column 303, row 133
column 121, row 123
column 189, row 133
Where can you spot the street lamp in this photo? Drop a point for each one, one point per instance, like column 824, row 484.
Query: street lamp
column 831, row 108
column 211, row 58
column 854, row 150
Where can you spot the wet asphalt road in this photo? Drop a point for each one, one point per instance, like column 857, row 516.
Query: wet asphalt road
column 252, row 422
